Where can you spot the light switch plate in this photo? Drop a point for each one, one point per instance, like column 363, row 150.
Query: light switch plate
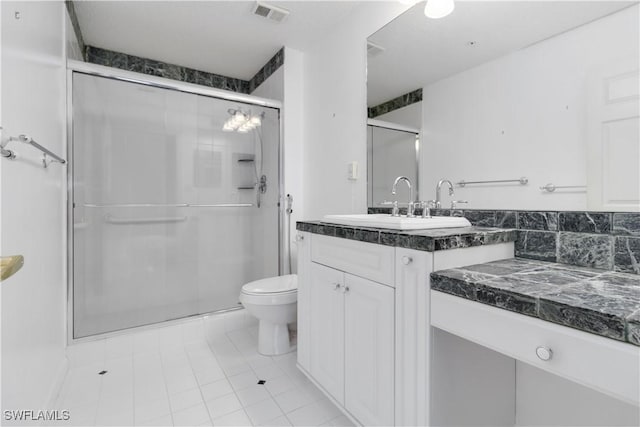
column 352, row 171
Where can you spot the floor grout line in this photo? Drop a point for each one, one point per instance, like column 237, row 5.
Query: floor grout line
column 238, row 349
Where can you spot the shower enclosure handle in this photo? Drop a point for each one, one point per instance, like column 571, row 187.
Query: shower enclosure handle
column 113, row 220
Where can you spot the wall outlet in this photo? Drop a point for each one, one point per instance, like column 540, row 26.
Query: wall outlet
column 352, row 171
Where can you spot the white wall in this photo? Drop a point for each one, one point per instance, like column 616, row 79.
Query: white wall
column 521, row 115
column 335, row 111
column 285, row 85
column 293, row 139
column 411, row 116
column 33, row 220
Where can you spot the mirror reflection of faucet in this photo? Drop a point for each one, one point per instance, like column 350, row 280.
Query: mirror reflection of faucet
column 439, row 187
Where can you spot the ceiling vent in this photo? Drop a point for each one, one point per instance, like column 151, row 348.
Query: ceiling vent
column 273, row 13
column 373, row 49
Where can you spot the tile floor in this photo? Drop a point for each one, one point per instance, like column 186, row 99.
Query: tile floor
column 197, row 372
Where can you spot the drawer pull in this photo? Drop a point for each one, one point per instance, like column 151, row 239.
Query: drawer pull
column 406, row 260
column 345, row 289
column 544, row 353
column 336, row 286
column 299, row 237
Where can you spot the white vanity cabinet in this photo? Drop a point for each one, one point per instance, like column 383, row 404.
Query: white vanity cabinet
column 350, row 341
column 364, row 323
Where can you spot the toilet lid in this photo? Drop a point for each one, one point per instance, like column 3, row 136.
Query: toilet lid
column 272, row 285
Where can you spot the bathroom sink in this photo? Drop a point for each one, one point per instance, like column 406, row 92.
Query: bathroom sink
column 398, row 222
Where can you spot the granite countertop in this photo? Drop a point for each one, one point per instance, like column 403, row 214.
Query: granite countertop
column 423, row 240
column 601, row 302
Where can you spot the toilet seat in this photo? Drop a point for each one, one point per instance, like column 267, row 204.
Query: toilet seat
column 278, row 285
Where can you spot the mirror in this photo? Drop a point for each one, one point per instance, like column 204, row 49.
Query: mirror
column 393, row 150
column 540, row 99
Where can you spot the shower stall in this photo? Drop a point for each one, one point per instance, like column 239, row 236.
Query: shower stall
column 173, row 200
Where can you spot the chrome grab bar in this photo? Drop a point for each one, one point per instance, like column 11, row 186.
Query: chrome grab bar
column 28, row 140
column 178, row 205
column 113, row 220
column 522, row 180
column 135, row 205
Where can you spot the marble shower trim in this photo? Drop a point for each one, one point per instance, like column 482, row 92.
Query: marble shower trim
column 395, row 103
column 600, row 302
column 604, row 240
column 137, row 64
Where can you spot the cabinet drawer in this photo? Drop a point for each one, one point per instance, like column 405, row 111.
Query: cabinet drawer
column 368, row 260
column 604, row 364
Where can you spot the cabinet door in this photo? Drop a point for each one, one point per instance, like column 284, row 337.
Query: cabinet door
column 613, row 139
column 304, row 260
column 326, row 329
column 369, row 351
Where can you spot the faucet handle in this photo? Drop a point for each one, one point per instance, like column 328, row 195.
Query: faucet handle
column 453, row 203
column 411, row 209
column 394, row 210
column 426, row 208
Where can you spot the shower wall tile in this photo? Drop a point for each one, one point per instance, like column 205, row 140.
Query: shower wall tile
column 190, row 75
column 119, row 60
column 152, row 67
column 135, row 64
column 98, row 56
column 395, row 103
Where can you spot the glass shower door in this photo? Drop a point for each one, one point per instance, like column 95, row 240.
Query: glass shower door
column 166, row 222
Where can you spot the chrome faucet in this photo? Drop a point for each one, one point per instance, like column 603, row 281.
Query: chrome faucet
column 438, row 187
column 411, row 207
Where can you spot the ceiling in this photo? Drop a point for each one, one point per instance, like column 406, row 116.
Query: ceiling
column 420, row 51
column 222, row 37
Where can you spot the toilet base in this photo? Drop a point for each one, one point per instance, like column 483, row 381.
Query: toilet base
column 273, row 339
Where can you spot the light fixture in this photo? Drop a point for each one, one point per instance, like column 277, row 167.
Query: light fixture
column 436, row 9
column 241, row 121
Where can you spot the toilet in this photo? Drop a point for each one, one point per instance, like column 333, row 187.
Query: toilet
column 274, row 302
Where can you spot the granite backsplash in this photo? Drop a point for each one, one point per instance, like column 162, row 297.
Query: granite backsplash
column 604, row 240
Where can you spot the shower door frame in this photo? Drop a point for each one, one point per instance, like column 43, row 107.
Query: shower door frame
column 161, row 83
